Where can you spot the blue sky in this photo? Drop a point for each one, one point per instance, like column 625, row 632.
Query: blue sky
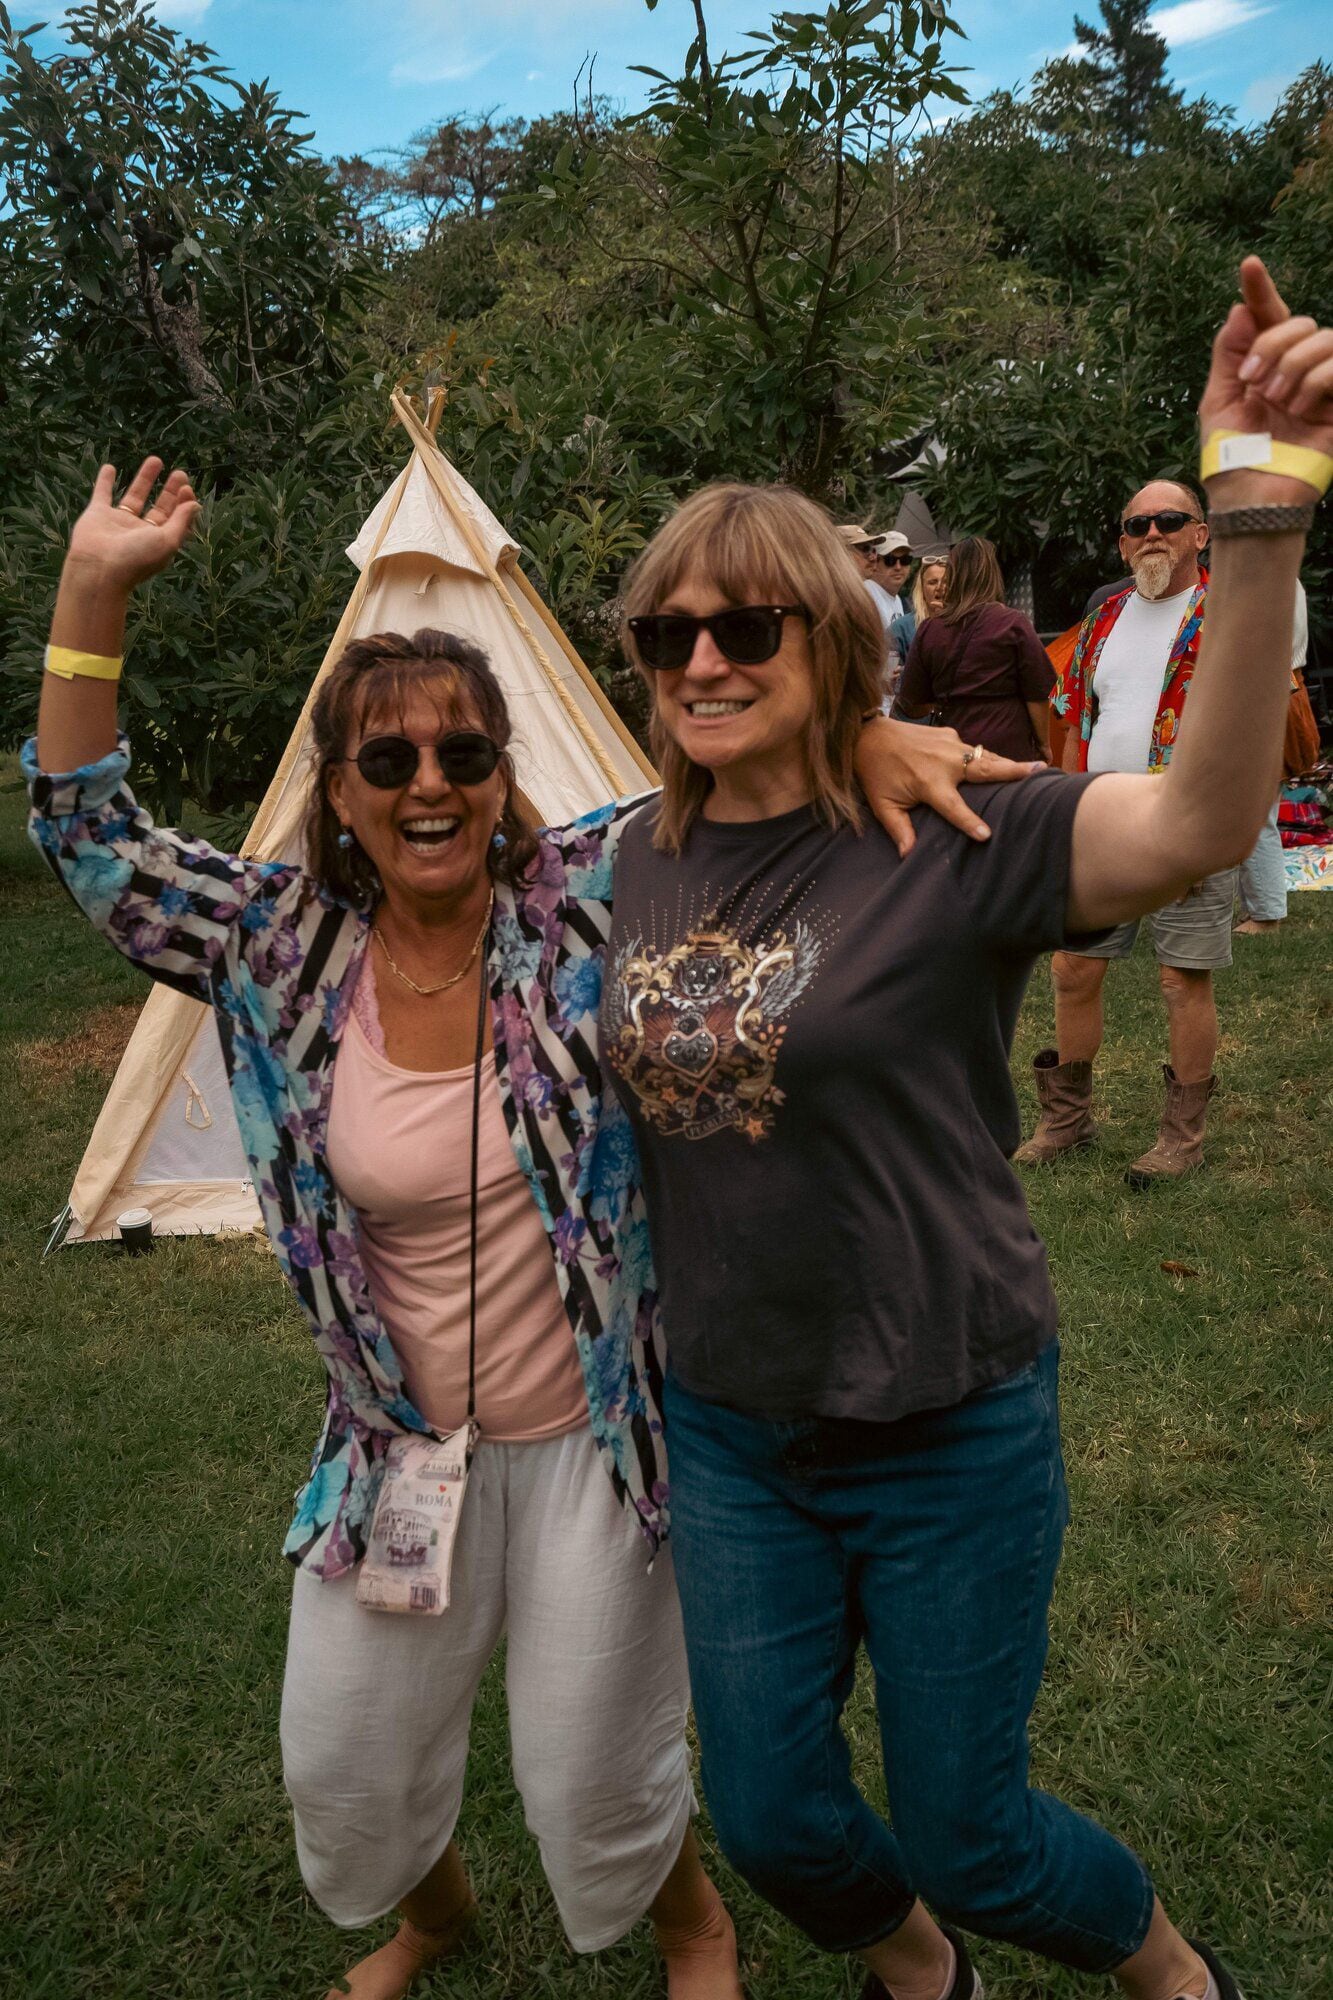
column 368, row 75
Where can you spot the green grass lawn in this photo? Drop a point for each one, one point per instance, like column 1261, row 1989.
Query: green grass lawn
column 158, row 1413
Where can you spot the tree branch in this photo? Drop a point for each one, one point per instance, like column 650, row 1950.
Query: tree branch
column 705, row 67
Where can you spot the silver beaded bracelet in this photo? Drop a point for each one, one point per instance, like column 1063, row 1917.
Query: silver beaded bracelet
column 1261, row 521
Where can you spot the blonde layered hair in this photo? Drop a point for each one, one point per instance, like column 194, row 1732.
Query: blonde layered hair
column 919, row 605
column 766, row 545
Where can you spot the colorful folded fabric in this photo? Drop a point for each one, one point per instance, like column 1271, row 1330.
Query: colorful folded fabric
column 1298, row 812
column 1309, row 868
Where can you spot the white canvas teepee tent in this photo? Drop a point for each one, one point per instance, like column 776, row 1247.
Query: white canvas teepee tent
column 431, row 553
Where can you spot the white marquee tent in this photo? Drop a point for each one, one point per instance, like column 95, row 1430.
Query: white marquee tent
column 431, row 553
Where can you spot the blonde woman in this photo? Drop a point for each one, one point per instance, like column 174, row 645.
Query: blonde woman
column 811, row 1039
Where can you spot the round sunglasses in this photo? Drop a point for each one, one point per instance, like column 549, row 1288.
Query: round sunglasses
column 1169, row 519
column 465, row 756
column 746, row 634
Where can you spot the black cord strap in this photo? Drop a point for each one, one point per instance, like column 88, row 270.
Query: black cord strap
column 483, row 994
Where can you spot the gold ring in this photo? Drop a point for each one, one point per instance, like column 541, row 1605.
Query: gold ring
column 971, row 754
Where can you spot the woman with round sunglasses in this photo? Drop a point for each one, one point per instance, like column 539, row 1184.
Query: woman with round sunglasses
column 408, row 1019
column 811, row 1038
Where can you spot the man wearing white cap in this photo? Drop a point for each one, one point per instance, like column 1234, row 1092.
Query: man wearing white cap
column 893, row 564
column 884, row 561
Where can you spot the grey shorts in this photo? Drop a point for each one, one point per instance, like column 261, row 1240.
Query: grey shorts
column 1192, row 934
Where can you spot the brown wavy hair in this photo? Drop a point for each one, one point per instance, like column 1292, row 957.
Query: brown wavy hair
column 766, row 545
column 972, row 577
column 375, row 676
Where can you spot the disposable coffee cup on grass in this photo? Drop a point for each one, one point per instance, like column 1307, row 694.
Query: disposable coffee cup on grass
column 136, row 1231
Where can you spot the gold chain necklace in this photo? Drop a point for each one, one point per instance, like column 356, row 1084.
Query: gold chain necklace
column 444, row 984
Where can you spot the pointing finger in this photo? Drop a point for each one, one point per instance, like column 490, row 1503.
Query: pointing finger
column 1260, row 294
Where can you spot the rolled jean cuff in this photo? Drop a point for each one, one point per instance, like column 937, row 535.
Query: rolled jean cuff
column 1139, row 1935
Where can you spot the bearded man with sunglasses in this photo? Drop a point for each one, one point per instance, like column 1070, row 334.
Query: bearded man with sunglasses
column 1122, row 697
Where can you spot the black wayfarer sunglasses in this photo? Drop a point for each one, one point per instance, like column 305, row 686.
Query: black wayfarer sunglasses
column 748, row 634
column 466, row 758
column 1169, row 519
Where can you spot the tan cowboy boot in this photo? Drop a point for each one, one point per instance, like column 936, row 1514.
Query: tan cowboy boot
column 1064, row 1092
column 1178, row 1147
column 391, row 1971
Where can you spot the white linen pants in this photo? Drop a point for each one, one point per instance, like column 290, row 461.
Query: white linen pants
column 376, row 1706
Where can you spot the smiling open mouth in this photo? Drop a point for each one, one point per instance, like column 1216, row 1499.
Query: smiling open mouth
column 428, row 836
column 704, row 709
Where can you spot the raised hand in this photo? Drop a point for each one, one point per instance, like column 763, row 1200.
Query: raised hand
column 1270, row 371
column 126, row 542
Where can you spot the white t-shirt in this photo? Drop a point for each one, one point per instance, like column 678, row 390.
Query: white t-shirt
column 1129, row 679
column 1132, row 668
column 888, row 606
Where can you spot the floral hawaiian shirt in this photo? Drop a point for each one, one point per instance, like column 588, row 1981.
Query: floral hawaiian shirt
column 277, row 958
column 1074, row 695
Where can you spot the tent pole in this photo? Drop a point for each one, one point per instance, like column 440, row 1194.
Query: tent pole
column 407, row 416
column 59, row 1230
column 581, row 668
column 337, row 645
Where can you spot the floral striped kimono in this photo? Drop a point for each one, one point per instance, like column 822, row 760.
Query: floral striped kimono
column 277, row 958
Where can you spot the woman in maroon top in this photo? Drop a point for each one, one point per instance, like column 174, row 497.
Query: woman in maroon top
column 979, row 663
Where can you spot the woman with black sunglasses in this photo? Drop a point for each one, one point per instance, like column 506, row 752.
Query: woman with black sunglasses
column 811, row 1037
column 409, row 1023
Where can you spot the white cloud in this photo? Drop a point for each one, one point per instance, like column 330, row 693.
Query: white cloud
column 181, row 13
column 1189, row 21
column 1199, row 20
column 441, row 41
column 1261, row 96
column 439, row 69
column 533, row 76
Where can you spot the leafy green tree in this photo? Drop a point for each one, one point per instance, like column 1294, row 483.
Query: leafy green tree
column 174, row 237
column 177, row 271
column 765, row 195
column 1126, row 65
column 461, row 166
column 1136, row 258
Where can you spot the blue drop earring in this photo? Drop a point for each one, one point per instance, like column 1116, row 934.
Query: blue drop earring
column 498, row 841
column 347, row 838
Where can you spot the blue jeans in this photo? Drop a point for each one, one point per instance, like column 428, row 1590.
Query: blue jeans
column 935, row 1541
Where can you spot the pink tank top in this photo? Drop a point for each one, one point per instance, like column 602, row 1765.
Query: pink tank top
column 399, row 1144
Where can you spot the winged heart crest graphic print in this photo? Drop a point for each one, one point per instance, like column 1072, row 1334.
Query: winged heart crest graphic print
column 696, row 1030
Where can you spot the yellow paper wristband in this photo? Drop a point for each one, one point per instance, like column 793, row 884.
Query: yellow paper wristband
column 1236, row 451
column 66, row 663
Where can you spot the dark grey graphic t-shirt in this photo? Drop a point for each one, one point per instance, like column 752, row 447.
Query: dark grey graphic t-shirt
column 811, row 1038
